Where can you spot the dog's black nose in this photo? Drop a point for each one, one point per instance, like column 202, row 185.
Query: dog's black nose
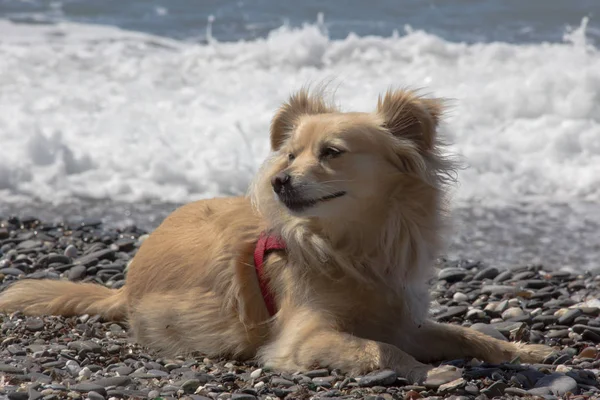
column 280, row 182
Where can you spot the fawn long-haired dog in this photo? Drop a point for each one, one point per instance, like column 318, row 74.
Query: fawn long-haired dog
column 358, row 201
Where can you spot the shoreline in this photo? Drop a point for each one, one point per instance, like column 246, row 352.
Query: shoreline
column 84, row 357
column 557, row 235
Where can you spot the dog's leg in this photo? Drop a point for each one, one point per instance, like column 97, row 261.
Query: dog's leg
column 438, row 341
column 307, row 340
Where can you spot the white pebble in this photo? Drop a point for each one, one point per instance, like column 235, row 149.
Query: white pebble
column 537, row 311
column 512, row 313
column 256, row 373
column 475, row 314
column 73, row 367
column 458, row 297
column 259, row 385
column 563, row 368
column 85, row 372
column 153, row 394
column 514, row 302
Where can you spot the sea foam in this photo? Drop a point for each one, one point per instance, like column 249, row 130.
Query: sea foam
column 98, row 112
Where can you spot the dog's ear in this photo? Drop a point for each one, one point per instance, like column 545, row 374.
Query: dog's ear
column 412, row 117
column 284, row 121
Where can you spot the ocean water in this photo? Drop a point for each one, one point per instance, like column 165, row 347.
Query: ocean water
column 123, row 110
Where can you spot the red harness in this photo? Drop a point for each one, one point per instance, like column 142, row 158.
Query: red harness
column 265, row 244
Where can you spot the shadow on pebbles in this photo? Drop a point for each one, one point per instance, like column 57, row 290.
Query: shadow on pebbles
column 85, row 357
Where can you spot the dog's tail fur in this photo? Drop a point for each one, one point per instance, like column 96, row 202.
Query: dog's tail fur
column 53, row 297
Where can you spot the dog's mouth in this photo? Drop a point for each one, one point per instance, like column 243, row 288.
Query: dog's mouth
column 298, row 204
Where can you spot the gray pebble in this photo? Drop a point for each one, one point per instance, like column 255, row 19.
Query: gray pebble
column 557, row 384
column 95, row 396
column 89, row 387
column 486, row 273
column 71, row 251
column 278, row 381
column 242, row 396
column 378, row 378
column 9, row 369
column 569, row 317
column 190, row 385
column 34, row 324
column 76, row 273
column 113, row 381
column 489, row 330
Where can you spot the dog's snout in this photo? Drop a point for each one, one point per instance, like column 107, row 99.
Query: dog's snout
column 280, row 182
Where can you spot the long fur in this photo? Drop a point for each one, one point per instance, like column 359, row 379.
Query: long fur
column 351, row 286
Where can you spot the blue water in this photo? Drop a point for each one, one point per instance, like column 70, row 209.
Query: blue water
column 125, row 126
column 512, row 21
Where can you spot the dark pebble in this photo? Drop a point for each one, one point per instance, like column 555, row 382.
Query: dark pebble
column 378, row 378
column 495, row 389
column 242, row 396
column 316, row 373
column 486, row 273
column 77, row 273
column 451, row 312
column 569, row 317
column 545, row 319
column 18, row 396
column 452, row 275
column 558, row 334
column 95, row 396
column 498, row 289
column 503, row 276
column 591, row 336
column 93, row 258
column 89, row 387
column 113, row 381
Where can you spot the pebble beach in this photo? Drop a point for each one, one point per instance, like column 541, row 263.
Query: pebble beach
column 88, row 358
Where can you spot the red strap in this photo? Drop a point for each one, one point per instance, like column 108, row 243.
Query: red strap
column 265, row 244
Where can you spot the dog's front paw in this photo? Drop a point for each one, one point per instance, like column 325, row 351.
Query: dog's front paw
column 533, row 353
column 434, row 377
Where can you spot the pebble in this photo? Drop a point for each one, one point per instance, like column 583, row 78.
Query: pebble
column 71, row 251
column 452, row 274
column 512, row 312
column 77, row 273
column 495, row 389
column 489, row 330
column 556, row 384
column 458, row 297
column 452, row 312
column 569, row 316
column 89, row 387
column 256, row 373
column 378, row 378
column 486, row 273
column 34, row 324
column 85, row 357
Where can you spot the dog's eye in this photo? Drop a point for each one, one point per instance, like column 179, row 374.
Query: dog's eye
column 291, row 157
column 331, row 152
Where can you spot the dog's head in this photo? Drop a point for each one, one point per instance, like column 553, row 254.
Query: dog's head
column 330, row 166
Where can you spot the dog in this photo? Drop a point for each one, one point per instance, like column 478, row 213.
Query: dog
column 325, row 262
